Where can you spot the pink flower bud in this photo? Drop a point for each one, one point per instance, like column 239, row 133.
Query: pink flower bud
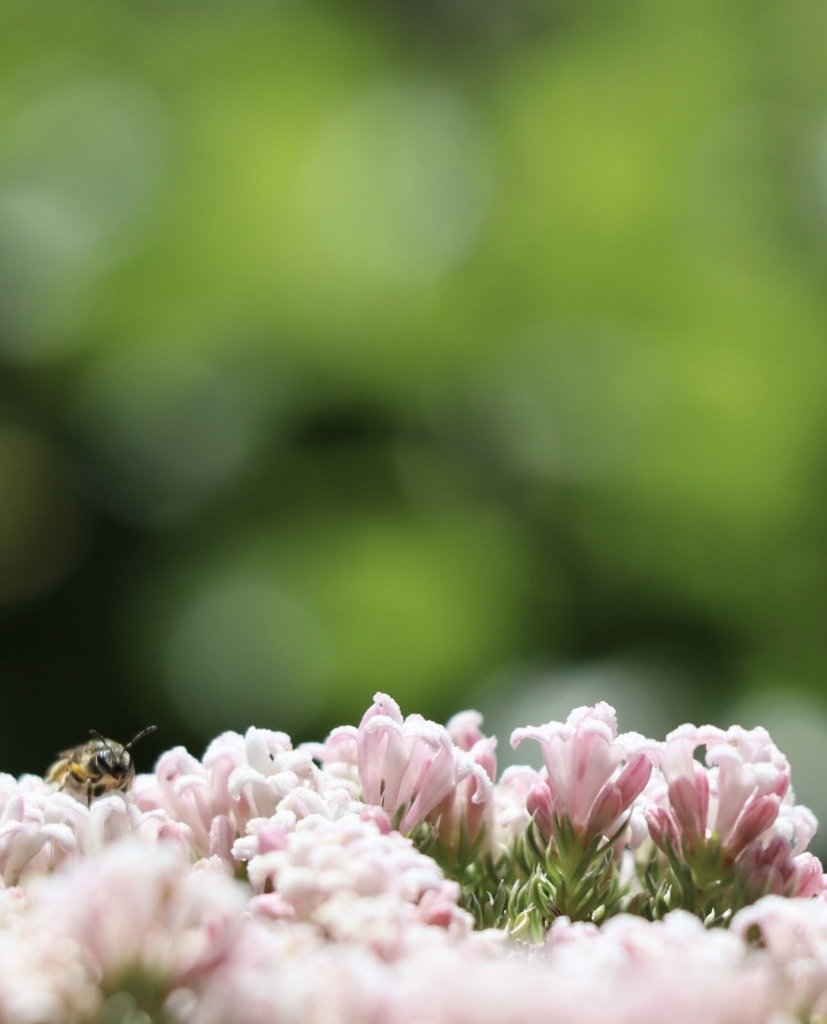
column 222, row 837
column 662, row 828
column 689, row 797
column 617, row 797
column 539, row 806
column 757, row 817
column 464, row 729
column 810, row 879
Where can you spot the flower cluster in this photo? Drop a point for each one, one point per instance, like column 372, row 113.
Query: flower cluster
column 390, row 876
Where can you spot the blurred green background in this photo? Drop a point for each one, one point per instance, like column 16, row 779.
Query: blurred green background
column 471, row 350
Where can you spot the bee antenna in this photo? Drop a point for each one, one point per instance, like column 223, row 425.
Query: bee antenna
column 140, row 735
column 103, row 739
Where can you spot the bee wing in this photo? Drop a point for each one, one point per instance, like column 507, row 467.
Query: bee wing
column 59, row 767
column 56, row 771
column 73, row 752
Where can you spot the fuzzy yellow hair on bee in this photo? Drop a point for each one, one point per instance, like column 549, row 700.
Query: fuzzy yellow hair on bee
column 99, row 766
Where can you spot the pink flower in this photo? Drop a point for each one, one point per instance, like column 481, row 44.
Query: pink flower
column 646, row 967
column 335, row 873
column 340, row 751
column 464, row 730
column 593, row 775
column 796, row 823
column 42, row 979
column 188, row 792
column 752, row 779
column 512, row 815
column 265, row 770
column 793, row 934
column 771, row 868
column 468, row 809
column 135, row 907
column 407, row 766
column 540, row 805
column 240, row 778
column 39, row 827
column 284, row 973
column 736, row 799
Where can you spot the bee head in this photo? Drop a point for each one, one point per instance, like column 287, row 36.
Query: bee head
column 114, row 762
column 113, row 759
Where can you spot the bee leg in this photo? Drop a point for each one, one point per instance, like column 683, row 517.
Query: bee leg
column 88, row 792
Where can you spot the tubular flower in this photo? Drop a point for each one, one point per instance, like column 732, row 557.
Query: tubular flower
column 409, row 765
column 733, row 801
column 729, row 829
column 466, row 813
column 592, row 775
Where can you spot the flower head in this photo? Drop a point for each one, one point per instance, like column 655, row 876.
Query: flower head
column 734, row 799
column 408, row 766
column 593, row 775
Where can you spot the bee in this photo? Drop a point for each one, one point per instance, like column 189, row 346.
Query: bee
column 97, row 767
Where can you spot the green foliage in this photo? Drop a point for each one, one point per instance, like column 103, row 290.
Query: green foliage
column 530, row 883
column 490, row 336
